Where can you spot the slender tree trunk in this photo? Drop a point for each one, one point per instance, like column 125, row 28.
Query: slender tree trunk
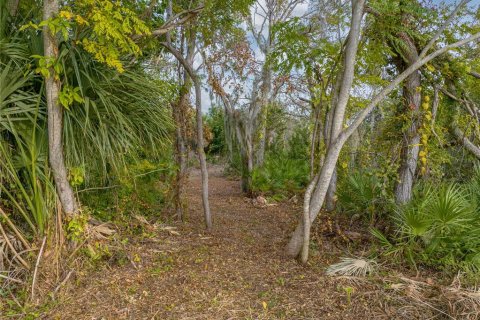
column 294, row 247
column 313, row 140
column 263, row 113
column 334, row 127
column 55, row 117
column 344, row 85
column 249, row 156
column 201, row 153
column 178, row 112
column 188, row 67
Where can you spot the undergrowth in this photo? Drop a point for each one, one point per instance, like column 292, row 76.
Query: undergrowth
column 438, row 229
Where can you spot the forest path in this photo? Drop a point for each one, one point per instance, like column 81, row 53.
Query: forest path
column 236, row 272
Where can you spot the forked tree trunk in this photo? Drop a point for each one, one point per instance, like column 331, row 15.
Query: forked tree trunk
column 55, row 117
column 188, row 67
column 345, row 82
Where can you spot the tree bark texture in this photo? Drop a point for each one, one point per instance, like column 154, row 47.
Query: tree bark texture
column 55, row 117
column 412, row 99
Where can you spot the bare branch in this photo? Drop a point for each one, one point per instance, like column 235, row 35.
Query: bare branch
column 179, row 19
column 442, row 28
column 460, row 135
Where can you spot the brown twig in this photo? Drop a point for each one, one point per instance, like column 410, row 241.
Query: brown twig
column 11, row 279
column 63, row 282
column 9, row 244
column 14, row 229
column 36, row 266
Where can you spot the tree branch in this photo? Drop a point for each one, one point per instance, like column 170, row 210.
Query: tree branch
column 460, row 135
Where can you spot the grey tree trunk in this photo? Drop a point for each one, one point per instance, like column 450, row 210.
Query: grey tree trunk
column 332, row 189
column 12, row 6
column 263, row 111
column 201, row 152
column 188, row 67
column 412, row 99
column 55, row 117
column 322, row 183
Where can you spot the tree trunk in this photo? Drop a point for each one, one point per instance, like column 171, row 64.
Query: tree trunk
column 410, row 147
column 55, row 117
column 332, row 189
column 263, row 113
column 12, row 6
column 188, row 67
column 343, row 85
column 201, row 153
column 178, row 112
column 298, row 238
column 249, row 157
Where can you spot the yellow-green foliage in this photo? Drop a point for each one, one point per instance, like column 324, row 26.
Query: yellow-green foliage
column 112, row 28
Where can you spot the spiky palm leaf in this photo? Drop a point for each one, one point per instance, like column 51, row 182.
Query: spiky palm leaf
column 352, row 267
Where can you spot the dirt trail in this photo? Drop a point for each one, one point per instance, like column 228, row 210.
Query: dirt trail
column 237, row 272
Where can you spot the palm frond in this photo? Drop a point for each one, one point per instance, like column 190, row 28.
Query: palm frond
column 352, row 267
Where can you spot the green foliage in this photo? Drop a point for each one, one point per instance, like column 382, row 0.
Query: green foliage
column 296, row 50
column 143, row 188
column 286, row 167
column 215, row 120
column 68, row 95
column 76, row 226
column 440, row 228
column 280, row 175
column 360, row 192
column 110, row 26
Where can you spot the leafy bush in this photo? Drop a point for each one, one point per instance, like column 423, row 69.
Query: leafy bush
column 143, row 189
column 361, row 193
column 280, row 175
column 439, row 228
column 215, row 121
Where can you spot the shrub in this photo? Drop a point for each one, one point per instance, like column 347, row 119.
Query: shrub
column 361, row 193
column 439, row 228
column 280, row 175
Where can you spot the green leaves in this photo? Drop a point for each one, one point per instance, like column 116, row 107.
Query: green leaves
column 111, row 27
column 68, row 95
column 46, row 64
column 441, row 227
